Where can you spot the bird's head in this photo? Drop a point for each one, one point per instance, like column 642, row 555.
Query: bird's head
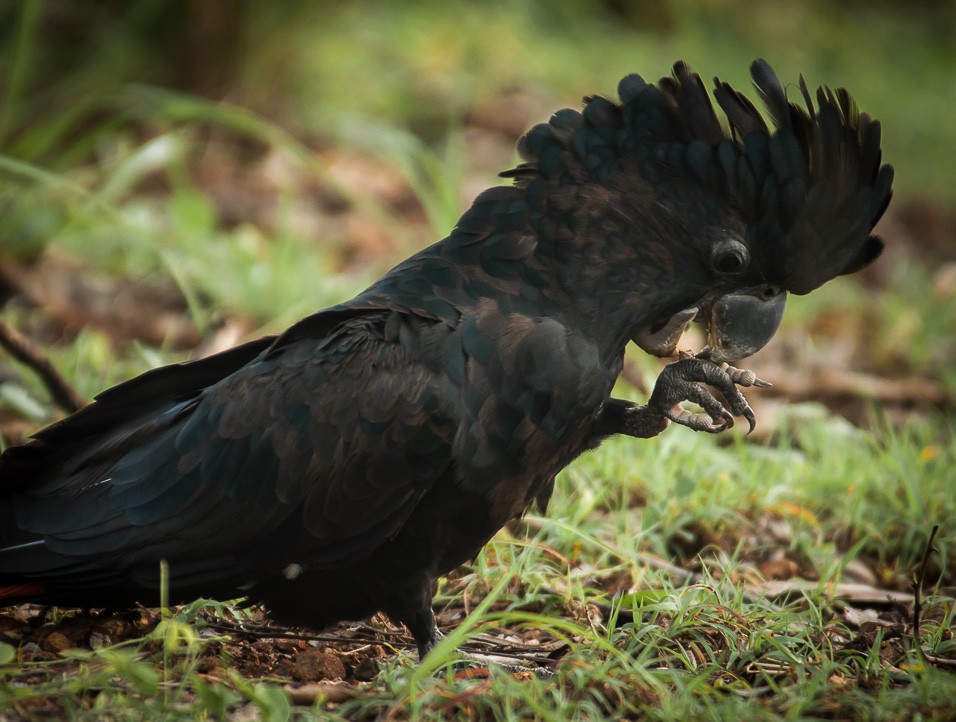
column 723, row 220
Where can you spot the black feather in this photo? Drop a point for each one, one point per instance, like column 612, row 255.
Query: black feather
column 339, row 468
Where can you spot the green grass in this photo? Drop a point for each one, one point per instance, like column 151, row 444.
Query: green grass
column 424, row 64
column 660, row 651
column 99, row 161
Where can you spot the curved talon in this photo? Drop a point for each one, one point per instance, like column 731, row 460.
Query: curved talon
column 751, row 419
column 739, row 406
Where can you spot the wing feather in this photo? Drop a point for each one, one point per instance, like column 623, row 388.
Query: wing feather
column 328, row 449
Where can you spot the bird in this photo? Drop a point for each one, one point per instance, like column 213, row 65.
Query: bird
column 341, row 467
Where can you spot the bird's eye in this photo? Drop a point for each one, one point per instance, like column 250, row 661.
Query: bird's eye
column 729, row 256
column 768, row 293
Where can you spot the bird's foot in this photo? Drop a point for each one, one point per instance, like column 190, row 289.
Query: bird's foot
column 681, row 381
column 475, row 663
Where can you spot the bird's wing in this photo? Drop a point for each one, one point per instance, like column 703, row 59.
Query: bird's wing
column 321, row 443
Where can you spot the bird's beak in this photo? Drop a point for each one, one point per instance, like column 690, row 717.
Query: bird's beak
column 739, row 325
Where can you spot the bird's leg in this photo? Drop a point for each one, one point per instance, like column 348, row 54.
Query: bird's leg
column 421, row 623
column 678, row 382
column 427, row 635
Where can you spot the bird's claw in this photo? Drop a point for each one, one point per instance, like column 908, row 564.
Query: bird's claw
column 744, row 377
column 699, row 422
column 681, row 381
column 472, row 664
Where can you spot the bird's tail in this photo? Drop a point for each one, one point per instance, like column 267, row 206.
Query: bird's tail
column 15, row 592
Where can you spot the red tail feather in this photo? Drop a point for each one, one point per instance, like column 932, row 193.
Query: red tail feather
column 21, row 591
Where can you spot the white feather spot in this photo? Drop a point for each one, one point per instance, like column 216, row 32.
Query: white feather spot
column 292, row 571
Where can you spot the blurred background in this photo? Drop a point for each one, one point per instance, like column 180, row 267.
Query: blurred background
column 178, row 175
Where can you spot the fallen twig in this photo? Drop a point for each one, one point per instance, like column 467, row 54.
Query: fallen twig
column 484, row 646
column 939, row 661
column 839, row 383
column 308, row 694
column 918, row 588
column 25, row 351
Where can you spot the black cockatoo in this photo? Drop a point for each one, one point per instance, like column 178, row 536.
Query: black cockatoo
column 341, row 467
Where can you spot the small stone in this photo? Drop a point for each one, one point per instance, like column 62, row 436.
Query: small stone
column 209, row 665
column 312, row 665
column 779, row 569
column 11, row 628
column 57, row 642
column 366, row 670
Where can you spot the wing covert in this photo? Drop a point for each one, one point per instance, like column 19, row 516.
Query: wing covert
column 330, row 443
